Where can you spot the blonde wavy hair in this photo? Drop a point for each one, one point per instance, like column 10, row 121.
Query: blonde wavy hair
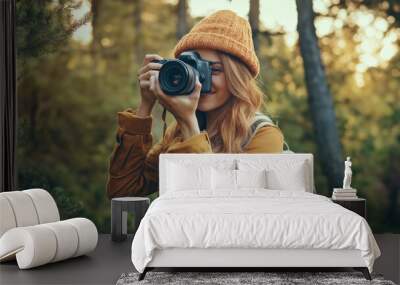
column 231, row 127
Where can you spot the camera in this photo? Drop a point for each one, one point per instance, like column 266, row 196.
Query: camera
column 178, row 76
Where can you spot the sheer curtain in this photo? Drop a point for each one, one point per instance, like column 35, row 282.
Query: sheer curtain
column 8, row 99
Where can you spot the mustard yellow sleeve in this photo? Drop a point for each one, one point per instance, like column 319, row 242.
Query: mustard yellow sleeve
column 196, row 144
column 133, row 165
column 268, row 139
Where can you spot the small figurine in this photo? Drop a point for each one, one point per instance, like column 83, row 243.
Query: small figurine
column 347, row 174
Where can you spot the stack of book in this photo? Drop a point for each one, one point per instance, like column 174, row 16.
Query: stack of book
column 344, row 194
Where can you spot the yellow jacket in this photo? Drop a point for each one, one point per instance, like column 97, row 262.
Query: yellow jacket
column 133, row 167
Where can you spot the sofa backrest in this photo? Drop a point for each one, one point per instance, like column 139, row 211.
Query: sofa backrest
column 231, row 161
column 26, row 208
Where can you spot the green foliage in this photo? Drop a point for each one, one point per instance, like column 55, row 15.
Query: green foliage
column 38, row 177
column 68, row 104
column 43, row 26
column 70, row 93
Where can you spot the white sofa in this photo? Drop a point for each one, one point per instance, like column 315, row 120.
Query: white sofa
column 31, row 231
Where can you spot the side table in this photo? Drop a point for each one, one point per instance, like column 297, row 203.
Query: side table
column 357, row 205
column 119, row 215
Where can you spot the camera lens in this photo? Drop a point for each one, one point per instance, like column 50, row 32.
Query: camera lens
column 174, row 78
column 177, row 78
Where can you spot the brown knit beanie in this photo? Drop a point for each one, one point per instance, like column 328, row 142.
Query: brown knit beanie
column 225, row 31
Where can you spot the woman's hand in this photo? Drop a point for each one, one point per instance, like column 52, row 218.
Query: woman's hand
column 182, row 107
column 147, row 96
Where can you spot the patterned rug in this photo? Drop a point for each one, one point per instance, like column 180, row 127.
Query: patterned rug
column 230, row 278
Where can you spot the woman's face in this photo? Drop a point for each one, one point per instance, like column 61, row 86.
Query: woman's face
column 219, row 90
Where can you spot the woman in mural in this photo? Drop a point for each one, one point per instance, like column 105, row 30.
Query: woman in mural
column 225, row 39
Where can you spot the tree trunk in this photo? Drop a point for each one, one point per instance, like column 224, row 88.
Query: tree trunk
column 181, row 25
column 96, row 38
column 392, row 181
column 95, row 20
column 319, row 98
column 254, row 19
column 137, row 18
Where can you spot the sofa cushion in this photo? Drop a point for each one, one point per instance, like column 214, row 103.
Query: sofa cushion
column 46, row 243
column 27, row 208
column 293, row 180
column 188, row 177
column 223, row 179
column 30, row 230
column 281, row 174
column 251, row 178
column 241, row 161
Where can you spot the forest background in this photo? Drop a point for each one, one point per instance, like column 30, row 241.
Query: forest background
column 76, row 68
